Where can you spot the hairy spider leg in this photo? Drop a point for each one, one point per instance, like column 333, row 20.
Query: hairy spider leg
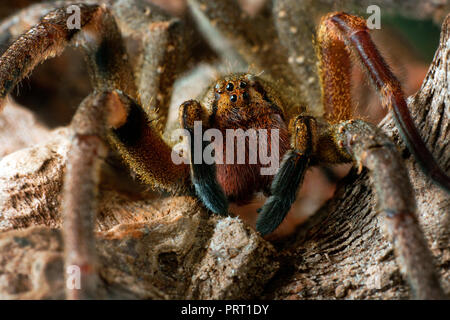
column 371, row 148
column 338, row 30
column 100, row 40
column 15, row 25
column 334, row 73
column 287, row 181
column 203, row 175
column 144, row 151
column 96, row 114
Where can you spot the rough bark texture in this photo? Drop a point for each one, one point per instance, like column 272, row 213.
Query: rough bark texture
column 165, row 248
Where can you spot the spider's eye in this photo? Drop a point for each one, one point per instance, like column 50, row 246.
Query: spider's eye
column 245, row 95
column 242, row 84
column 230, row 86
column 233, row 98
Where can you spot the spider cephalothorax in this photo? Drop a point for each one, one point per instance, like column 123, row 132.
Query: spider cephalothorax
column 236, row 102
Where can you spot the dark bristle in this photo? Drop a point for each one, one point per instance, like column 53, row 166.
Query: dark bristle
column 284, row 190
column 130, row 133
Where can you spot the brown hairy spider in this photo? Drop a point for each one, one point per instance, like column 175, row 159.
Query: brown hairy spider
column 125, row 112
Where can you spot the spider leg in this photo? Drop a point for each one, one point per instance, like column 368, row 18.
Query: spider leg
column 335, row 74
column 162, row 43
column 203, row 175
column 146, row 153
column 100, row 39
column 370, row 148
column 340, row 30
column 15, row 25
column 289, row 177
column 96, row 114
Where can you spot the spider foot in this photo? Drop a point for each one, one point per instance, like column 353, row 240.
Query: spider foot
column 203, row 175
column 289, row 177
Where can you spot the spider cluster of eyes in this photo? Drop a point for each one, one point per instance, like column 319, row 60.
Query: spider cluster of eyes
column 243, row 147
column 230, row 87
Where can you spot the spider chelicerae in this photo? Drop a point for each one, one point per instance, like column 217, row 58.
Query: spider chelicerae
column 125, row 113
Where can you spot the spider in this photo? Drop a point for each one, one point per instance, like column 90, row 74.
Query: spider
column 120, row 115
